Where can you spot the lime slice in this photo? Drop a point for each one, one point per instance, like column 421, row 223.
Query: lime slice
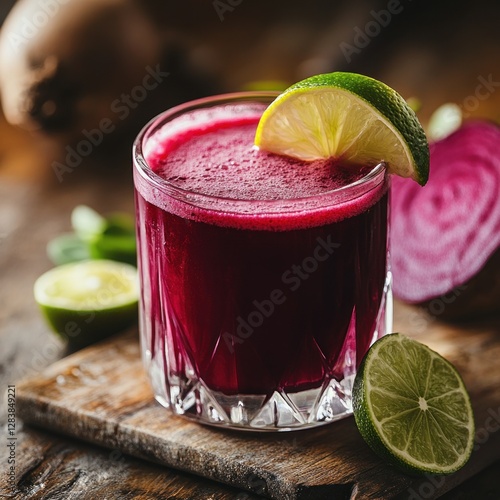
column 444, row 121
column 412, row 408
column 116, row 241
column 67, row 248
column 89, row 300
column 119, row 224
column 346, row 116
column 121, row 248
column 86, row 222
column 109, row 238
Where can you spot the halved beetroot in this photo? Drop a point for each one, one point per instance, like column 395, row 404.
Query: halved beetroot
column 444, row 234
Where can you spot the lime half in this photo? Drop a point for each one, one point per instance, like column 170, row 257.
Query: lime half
column 346, row 116
column 412, row 408
column 89, row 300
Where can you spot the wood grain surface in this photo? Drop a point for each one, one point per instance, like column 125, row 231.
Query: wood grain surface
column 436, row 51
column 101, row 395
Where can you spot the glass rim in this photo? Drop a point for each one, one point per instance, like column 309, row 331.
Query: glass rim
column 141, row 166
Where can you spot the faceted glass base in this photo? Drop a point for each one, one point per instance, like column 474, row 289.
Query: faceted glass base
column 189, row 396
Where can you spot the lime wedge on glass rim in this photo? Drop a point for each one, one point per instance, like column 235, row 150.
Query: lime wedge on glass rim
column 412, row 408
column 88, row 300
column 347, row 116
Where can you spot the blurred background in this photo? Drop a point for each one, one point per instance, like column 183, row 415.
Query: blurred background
column 67, row 65
column 80, row 78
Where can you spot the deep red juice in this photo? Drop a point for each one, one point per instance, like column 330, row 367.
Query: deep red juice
column 278, row 291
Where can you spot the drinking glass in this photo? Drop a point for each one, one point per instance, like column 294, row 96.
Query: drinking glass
column 255, row 314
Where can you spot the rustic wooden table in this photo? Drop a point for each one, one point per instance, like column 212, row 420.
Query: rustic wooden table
column 34, row 207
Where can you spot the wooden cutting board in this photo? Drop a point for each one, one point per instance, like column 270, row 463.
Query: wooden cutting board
column 101, row 395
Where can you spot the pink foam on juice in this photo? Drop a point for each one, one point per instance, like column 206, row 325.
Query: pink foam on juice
column 211, row 153
column 260, row 272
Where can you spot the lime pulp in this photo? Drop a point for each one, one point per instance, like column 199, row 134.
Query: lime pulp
column 88, row 300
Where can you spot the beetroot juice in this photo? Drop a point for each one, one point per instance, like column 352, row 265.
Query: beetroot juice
column 264, row 278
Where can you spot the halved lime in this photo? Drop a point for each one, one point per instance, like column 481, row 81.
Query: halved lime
column 89, row 300
column 412, row 408
column 346, row 116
